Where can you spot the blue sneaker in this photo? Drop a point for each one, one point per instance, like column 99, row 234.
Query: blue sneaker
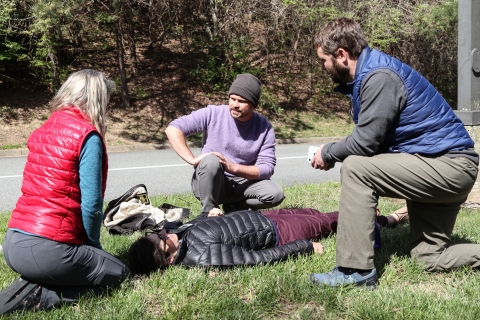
column 337, row 278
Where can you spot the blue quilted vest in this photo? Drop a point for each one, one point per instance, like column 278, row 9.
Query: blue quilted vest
column 427, row 125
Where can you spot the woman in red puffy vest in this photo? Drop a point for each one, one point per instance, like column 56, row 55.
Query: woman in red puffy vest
column 53, row 237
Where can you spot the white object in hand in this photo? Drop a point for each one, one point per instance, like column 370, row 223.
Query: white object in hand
column 311, row 153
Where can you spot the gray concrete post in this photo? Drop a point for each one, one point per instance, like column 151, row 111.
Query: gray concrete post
column 468, row 108
column 469, row 58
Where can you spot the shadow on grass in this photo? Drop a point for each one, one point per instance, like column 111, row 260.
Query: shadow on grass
column 396, row 242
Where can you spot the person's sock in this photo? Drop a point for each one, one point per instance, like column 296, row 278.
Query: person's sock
column 349, row 271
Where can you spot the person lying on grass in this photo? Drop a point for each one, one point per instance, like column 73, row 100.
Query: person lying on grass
column 241, row 238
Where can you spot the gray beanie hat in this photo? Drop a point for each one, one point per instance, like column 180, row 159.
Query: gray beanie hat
column 247, row 86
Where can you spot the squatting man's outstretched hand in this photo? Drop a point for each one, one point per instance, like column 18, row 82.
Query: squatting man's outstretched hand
column 196, row 160
column 225, row 162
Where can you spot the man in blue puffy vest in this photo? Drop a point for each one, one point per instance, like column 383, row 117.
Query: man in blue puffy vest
column 407, row 144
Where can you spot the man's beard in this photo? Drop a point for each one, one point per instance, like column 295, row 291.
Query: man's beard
column 339, row 73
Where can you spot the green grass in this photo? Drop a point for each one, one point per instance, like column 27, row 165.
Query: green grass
column 311, row 124
column 10, row 146
column 282, row 291
column 291, row 124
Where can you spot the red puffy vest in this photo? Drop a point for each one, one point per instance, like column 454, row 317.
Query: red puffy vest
column 50, row 201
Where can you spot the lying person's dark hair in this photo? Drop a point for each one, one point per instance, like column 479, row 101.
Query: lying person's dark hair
column 145, row 256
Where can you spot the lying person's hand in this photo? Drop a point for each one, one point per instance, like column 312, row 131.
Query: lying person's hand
column 317, row 247
column 215, row 212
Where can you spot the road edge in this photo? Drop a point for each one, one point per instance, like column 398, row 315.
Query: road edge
column 23, row 152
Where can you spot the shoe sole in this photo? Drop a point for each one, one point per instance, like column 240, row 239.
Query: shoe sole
column 16, row 293
column 369, row 284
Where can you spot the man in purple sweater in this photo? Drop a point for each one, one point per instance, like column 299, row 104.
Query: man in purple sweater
column 238, row 154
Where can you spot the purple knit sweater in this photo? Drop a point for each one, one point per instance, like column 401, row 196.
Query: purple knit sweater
column 247, row 143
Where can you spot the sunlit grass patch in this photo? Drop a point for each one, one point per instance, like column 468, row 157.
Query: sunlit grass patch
column 282, row 290
column 307, row 124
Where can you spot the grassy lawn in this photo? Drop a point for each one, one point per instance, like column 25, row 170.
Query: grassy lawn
column 282, row 291
column 287, row 125
column 311, row 124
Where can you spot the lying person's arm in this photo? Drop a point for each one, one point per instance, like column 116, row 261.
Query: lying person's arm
column 224, row 255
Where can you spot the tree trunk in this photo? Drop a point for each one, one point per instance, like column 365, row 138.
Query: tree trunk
column 54, row 63
column 131, row 42
column 213, row 32
column 121, row 64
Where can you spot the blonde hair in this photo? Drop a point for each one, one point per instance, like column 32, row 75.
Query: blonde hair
column 89, row 90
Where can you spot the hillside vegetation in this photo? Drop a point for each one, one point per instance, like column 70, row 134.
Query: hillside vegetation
column 170, row 57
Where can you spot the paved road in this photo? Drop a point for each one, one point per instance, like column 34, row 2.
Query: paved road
column 163, row 172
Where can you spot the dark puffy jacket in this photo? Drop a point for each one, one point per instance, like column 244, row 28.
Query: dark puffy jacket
column 239, row 238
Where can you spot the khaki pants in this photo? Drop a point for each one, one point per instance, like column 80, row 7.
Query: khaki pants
column 434, row 189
